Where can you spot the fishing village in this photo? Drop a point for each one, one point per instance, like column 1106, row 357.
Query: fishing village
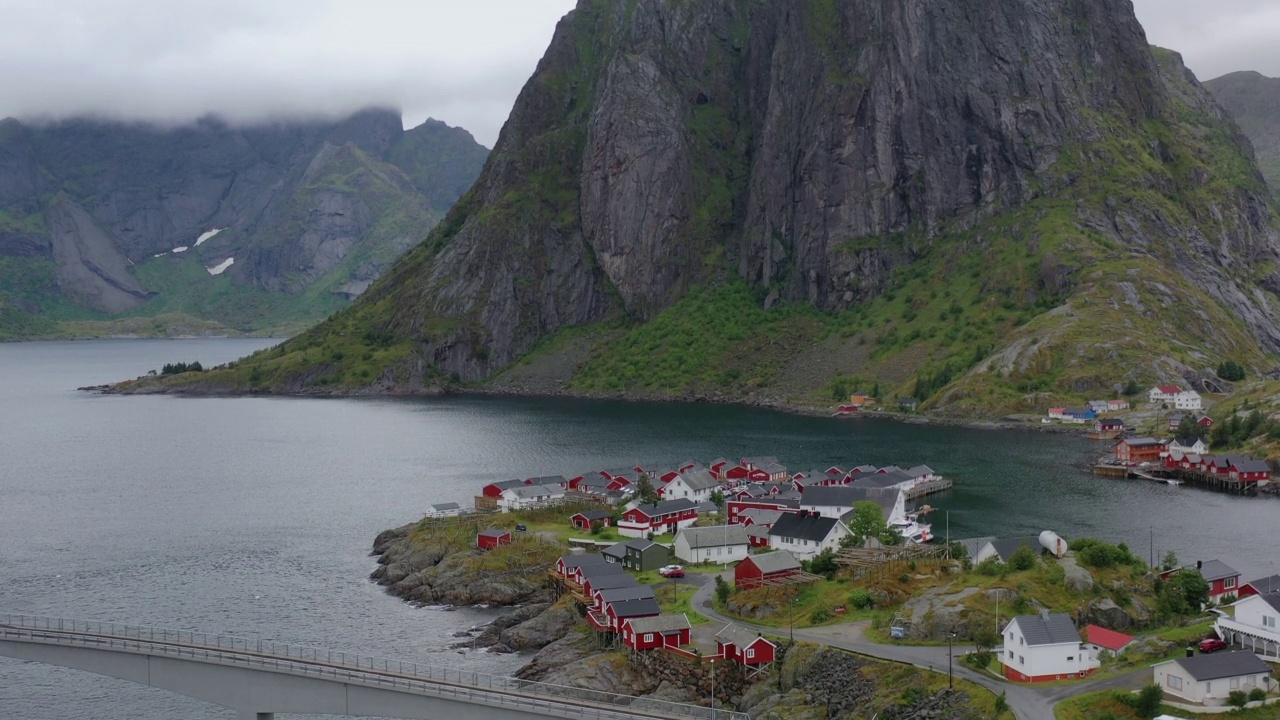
column 734, row 561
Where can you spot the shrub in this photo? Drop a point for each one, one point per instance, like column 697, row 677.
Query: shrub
column 820, row 615
column 1002, row 704
column 1257, row 694
column 1024, row 558
column 1237, row 698
column 904, row 578
column 861, row 599
column 990, row 567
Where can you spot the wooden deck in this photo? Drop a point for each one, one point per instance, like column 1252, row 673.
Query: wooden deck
column 931, row 487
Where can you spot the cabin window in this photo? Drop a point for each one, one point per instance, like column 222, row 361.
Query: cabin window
column 1230, row 582
column 1250, row 681
column 1022, row 660
column 1235, row 683
column 1173, row 681
column 1021, row 640
column 1070, row 658
column 1268, row 621
column 1010, row 654
column 648, row 637
column 751, row 654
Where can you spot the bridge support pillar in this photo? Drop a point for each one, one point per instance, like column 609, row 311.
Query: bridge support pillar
column 251, row 715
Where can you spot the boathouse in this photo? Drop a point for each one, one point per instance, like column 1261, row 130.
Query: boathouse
column 1133, row 451
column 585, row 519
column 744, row 647
column 658, row 631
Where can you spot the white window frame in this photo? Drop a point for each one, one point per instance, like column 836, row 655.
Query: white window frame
column 648, row 637
column 1229, row 582
column 1235, row 683
column 1268, row 621
column 1173, row 681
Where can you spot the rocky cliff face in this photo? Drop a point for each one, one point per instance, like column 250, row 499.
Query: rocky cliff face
column 1253, row 100
column 919, row 178
column 120, row 211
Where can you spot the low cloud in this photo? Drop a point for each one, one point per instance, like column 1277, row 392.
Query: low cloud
column 461, row 62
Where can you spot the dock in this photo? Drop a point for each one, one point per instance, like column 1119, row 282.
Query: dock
column 1179, row 477
column 930, row 487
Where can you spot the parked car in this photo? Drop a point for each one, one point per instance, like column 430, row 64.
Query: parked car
column 522, row 527
column 1211, row 644
column 671, row 571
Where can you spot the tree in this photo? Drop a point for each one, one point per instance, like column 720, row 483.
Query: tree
column 717, row 497
column 645, row 491
column 723, row 590
column 824, row 563
column 1131, row 388
column 1170, row 561
column 1231, row 371
column 1185, row 592
column 1187, row 427
column 868, row 522
column 596, row 527
column 1002, row 705
column 1024, row 558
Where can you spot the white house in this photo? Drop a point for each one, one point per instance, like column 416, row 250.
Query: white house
column 441, row 510
column 1209, row 679
column 806, row 534
column 1188, row 446
column 523, row 496
column 695, row 485
column 1163, row 393
column 838, row 500
column 1004, row 549
column 1044, row 648
column 715, row 544
column 1187, row 400
column 1256, row 624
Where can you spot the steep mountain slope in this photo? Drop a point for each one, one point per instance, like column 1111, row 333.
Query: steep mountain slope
column 983, row 204
column 257, row 227
column 1253, row 100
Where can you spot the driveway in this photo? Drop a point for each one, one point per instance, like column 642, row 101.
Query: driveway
column 1028, row 702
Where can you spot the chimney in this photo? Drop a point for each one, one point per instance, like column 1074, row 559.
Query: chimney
column 1044, row 615
column 817, row 514
column 1199, row 564
column 1191, row 652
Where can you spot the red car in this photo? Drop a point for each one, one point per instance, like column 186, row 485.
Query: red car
column 671, row 571
column 1209, row 645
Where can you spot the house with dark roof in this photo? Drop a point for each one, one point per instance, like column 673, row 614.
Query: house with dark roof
column 449, row 509
column 1132, row 451
column 645, row 555
column 567, row 565
column 589, row 575
column 658, row 631
column 621, row 611
column 585, row 519
column 1260, row 586
column 839, row 500
column 603, row 596
column 1002, row 550
column 1188, row 445
column 745, row 647
column 1223, row 580
column 658, row 518
column 1249, row 470
column 972, row 546
column 1209, row 679
column 1044, row 648
column 805, row 534
column 1255, row 626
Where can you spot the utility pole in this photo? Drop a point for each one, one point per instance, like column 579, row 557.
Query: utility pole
column 713, row 690
column 1151, row 562
column 950, row 679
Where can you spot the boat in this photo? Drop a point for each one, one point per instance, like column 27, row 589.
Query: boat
column 914, row 531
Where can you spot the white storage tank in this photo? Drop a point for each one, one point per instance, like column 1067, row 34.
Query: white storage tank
column 1053, row 543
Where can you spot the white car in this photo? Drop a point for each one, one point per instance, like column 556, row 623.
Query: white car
column 668, row 570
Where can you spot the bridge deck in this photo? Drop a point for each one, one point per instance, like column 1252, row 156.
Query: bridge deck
column 348, row 668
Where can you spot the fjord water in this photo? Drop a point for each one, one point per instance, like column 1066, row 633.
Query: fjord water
column 254, row 516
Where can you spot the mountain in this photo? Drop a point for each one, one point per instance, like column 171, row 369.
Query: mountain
column 254, row 228
column 1254, row 102
column 989, row 205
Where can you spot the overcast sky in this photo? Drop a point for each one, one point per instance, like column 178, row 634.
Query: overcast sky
column 461, row 61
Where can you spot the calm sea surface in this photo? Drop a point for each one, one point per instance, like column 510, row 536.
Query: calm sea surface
column 254, row 516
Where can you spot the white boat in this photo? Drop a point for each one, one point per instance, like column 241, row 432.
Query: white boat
column 914, row 531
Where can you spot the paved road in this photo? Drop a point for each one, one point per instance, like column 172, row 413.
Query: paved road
column 1028, row 702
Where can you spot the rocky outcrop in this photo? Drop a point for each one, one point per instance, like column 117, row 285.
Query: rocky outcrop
column 122, row 212
column 432, row 570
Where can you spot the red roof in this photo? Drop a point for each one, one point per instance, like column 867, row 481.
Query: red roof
column 1104, row 638
column 1170, row 389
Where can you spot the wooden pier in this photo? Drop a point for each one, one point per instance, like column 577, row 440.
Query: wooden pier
column 1179, row 477
column 930, row 487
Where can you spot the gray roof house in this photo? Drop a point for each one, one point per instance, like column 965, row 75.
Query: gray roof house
column 1048, row 629
column 973, row 546
column 1002, row 550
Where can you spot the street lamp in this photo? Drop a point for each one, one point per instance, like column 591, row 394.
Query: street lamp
column 950, row 679
column 713, row 690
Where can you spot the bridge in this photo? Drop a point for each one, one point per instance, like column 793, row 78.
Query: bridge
column 259, row 678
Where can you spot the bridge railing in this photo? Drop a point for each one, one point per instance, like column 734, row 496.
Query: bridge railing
column 332, row 663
